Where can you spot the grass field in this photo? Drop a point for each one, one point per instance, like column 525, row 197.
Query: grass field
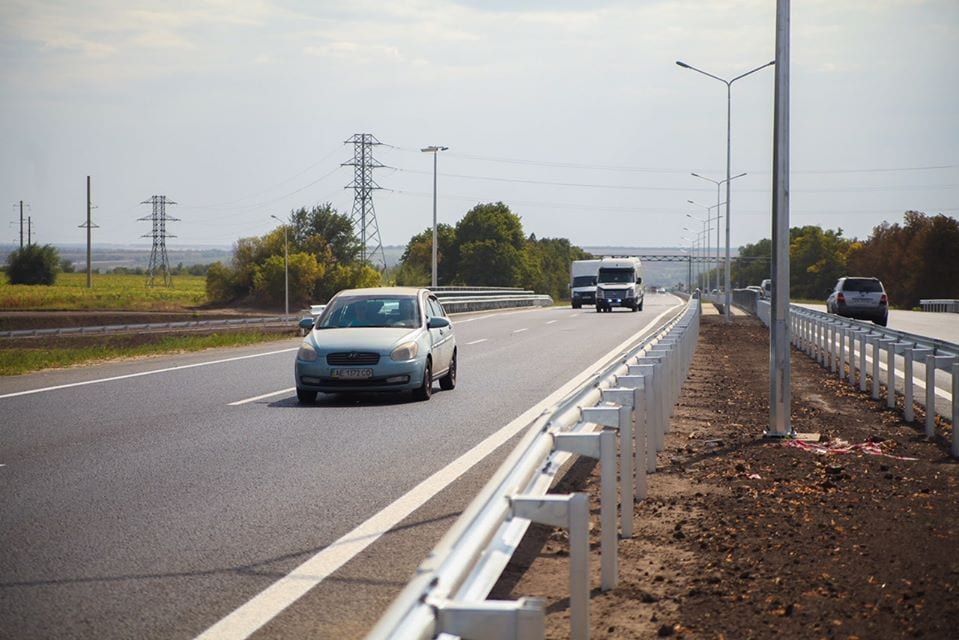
column 110, row 292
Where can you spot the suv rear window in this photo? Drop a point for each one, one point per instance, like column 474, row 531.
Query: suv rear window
column 865, row 285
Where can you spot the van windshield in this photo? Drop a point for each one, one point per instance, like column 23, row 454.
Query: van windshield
column 617, row 275
column 584, row 281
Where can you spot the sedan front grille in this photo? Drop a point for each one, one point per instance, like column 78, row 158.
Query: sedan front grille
column 348, row 358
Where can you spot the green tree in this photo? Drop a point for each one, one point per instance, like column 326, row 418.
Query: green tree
column 817, row 259
column 753, row 264
column 915, row 260
column 34, row 264
column 416, row 264
column 269, row 283
column 345, row 276
column 221, row 285
column 545, row 267
column 489, row 246
column 322, row 227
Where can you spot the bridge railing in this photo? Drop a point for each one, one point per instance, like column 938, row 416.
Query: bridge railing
column 870, row 357
column 632, row 396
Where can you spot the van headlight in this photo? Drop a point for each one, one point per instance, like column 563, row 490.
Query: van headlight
column 406, row 351
column 306, row 353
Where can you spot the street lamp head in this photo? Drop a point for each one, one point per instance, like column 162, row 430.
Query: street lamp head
column 682, row 64
column 433, row 149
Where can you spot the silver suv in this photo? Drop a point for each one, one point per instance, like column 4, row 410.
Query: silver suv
column 860, row 298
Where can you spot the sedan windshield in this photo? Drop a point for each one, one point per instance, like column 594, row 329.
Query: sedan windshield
column 368, row 311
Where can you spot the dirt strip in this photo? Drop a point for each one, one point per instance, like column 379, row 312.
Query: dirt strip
column 746, row 537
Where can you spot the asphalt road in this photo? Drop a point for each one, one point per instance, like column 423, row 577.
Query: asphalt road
column 168, row 497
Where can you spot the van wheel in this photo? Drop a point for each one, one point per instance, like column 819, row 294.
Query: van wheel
column 305, row 396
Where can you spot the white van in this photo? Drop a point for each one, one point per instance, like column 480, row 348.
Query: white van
column 582, row 282
column 619, row 283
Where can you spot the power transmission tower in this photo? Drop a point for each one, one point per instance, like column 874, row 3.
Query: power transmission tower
column 158, row 257
column 363, row 216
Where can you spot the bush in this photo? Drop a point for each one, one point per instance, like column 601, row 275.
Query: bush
column 34, row 264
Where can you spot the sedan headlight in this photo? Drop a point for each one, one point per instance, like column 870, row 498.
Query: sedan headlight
column 406, row 351
column 306, row 353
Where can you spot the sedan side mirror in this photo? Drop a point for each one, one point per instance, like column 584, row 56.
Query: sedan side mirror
column 438, row 323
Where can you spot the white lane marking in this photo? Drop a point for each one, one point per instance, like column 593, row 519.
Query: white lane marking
column 265, row 395
column 144, row 373
column 266, row 605
column 521, row 330
column 477, row 341
column 552, row 322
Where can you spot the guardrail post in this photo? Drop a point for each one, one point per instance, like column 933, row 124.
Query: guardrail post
column 908, row 411
column 601, row 446
column 667, row 402
column 571, row 512
column 885, row 344
column 821, row 342
column 625, row 398
column 862, row 334
column 831, row 345
column 932, row 363
column 524, row 619
column 843, row 333
column 955, row 410
column 654, row 414
column 644, row 444
column 895, row 349
column 873, row 341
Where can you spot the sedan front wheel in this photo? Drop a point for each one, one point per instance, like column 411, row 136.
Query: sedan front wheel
column 425, row 390
column 448, row 382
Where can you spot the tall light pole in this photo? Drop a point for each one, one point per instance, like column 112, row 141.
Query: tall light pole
column 729, row 84
column 699, row 243
column 435, row 151
column 286, row 266
column 705, row 231
column 709, row 216
column 718, row 184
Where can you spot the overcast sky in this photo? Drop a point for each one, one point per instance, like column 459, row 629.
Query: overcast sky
column 572, row 113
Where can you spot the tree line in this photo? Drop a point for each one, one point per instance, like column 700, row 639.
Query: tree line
column 916, row 259
column 487, row 247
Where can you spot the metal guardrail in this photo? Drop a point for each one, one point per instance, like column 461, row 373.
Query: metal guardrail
column 632, row 395
column 854, row 351
column 947, row 306
column 151, row 326
column 454, row 299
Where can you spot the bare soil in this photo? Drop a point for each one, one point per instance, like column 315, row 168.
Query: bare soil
column 745, row 537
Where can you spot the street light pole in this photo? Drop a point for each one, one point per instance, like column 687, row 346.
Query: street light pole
column 434, row 150
column 719, row 216
column 705, row 231
column 718, row 184
column 729, row 84
column 286, row 267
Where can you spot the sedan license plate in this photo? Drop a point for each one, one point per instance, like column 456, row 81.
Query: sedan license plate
column 352, row 374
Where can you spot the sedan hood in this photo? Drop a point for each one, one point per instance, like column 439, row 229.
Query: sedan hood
column 381, row 339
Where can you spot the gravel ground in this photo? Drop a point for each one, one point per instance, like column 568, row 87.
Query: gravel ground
column 745, row 537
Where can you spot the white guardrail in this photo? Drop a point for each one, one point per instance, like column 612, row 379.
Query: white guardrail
column 870, row 357
column 454, row 299
column 151, row 326
column 632, row 396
